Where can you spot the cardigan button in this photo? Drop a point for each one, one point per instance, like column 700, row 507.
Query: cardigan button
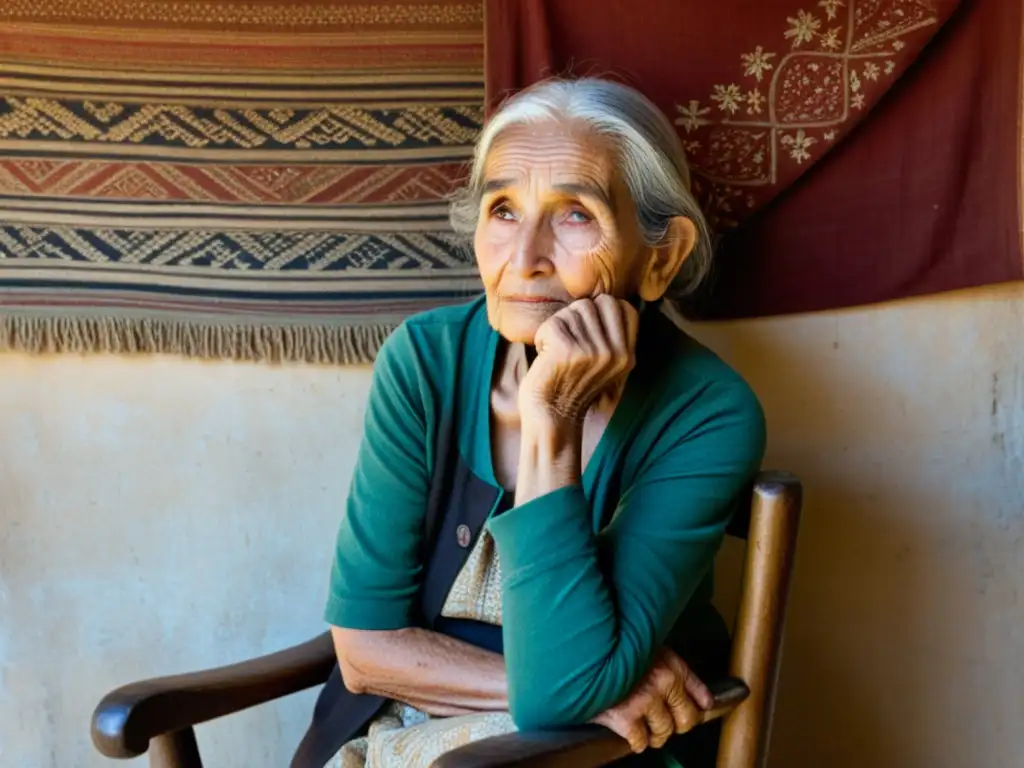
column 463, row 535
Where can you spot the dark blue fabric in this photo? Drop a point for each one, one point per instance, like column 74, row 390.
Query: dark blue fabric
column 487, row 636
column 476, row 633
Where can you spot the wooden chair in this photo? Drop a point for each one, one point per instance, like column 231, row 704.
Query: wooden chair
column 158, row 715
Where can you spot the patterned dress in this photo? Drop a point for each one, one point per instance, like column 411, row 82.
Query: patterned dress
column 404, row 737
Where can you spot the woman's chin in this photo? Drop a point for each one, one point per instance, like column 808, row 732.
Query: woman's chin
column 518, row 333
column 521, row 326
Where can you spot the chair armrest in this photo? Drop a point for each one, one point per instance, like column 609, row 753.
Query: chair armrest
column 127, row 718
column 585, row 746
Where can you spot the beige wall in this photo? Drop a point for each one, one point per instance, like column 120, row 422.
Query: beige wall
column 160, row 515
column 905, row 646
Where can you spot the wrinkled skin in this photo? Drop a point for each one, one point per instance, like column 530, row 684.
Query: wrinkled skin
column 560, row 252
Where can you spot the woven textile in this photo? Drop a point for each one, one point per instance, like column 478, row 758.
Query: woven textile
column 252, row 180
column 848, row 151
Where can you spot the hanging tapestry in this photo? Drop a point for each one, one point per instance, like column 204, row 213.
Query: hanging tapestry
column 845, row 151
column 249, row 180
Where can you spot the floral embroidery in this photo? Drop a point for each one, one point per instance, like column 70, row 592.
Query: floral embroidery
column 831, row 7
column 831, row 41
column 728, row 97
column 692, row 116
column 754, row 102
column 747, row 139
column 798, row 145
column 757, row 63
column 803, row 28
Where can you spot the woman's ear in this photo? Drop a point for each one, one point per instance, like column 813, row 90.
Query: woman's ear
column 664, row 261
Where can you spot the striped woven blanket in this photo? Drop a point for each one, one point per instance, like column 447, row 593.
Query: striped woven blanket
column 249, row 180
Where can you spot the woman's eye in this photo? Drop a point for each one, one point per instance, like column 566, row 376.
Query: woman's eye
column 502, row 212
column 578, row 216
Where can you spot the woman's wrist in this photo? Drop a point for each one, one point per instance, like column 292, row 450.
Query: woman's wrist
column 550, row 453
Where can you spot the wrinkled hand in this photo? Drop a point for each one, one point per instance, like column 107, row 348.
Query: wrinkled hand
column 670, row 699
column 583, row 352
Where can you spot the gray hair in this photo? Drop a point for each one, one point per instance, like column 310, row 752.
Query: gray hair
column 651, row 157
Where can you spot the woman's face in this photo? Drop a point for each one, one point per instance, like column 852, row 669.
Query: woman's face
column 556, row 224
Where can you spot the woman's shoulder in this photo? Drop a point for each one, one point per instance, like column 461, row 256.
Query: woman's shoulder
column 432, row 341
column 694, row 390
column 680, row 361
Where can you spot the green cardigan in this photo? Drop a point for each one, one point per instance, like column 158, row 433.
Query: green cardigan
column 596, row 577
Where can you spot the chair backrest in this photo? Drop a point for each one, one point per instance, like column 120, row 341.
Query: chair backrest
column 770, row 530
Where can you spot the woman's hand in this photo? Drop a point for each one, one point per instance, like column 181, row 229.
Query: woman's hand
column 670, row 699
column 583, row 352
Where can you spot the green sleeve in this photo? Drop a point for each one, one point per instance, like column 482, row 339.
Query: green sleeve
column 376, row 570
column 584, row 613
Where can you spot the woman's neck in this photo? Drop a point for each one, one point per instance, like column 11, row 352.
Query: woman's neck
column 509, row 369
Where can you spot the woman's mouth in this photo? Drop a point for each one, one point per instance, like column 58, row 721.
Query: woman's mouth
column 522, row 299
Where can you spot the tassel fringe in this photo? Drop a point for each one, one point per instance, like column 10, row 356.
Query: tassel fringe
column 338, row 345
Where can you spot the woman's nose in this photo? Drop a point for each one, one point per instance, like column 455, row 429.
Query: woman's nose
column 531, row 254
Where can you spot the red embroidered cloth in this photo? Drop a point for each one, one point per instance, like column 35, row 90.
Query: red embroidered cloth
column 848, row 151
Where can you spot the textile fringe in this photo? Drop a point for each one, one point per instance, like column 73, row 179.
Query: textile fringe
column 343, row 345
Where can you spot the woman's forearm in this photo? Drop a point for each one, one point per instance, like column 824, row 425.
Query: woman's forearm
column 436, row 674
column 550, row 455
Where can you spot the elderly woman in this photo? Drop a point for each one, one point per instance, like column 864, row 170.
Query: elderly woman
column 546, row 473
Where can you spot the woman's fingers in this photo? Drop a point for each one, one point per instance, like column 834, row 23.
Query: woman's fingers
column 637, row 735
column 667, row 701
column 555, row 335
column 660, row 722
column 671, row 684
column 605, row 321
column 632, row 318
column 693, row 685
column 685, row 715
column 699, row 692
column 584, row 352
column 630, row 726
column 613, row 321
column 586, row 329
